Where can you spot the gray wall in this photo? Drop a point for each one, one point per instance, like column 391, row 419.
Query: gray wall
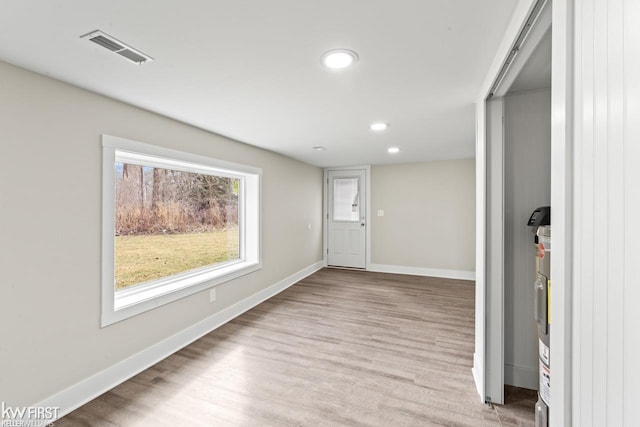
column 429, row 215
column 50, row 210
column 527, row 185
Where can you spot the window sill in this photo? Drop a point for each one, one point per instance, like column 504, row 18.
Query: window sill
column 139, row 299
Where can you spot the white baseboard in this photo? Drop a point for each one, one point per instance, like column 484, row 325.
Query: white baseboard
column 521, row 376
column 84, row 391
column 420, row 271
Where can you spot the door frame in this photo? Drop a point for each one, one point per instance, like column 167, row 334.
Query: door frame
column 562, row 113
column 494, row 151
column 494, row 251
column 488, row 364
column 367, row 211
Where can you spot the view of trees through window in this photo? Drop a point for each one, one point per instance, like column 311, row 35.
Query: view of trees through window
column 169, row 221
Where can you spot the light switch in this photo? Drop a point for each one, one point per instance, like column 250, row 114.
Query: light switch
column 380, row 212
column 212, row 295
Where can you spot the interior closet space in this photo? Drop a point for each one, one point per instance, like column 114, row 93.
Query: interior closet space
column 527, row 186
column 518, row 181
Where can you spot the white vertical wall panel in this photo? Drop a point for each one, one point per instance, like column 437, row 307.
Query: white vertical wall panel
column 583, row 266
column 606, row 276
column 527, row 185
column 615, row 210
column 597, row 235
column 631, row 176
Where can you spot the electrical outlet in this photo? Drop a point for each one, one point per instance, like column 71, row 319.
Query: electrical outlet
column 212, row 295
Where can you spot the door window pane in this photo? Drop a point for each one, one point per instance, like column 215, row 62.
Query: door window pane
column 346, row 199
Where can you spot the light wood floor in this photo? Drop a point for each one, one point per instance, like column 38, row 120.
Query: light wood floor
column 340, row 348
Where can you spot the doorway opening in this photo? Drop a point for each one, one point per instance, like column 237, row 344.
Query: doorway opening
column 518, row 181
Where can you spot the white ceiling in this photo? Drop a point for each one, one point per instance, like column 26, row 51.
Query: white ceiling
column 250, row 69
column 536, row 73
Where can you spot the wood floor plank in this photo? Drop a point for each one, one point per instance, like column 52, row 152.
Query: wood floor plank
column 340, row 348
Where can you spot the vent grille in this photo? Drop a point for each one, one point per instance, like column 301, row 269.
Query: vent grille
column 132, row 56
column 106, row 43
column 114, row 45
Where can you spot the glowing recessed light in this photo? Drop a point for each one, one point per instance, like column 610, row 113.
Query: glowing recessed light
column 393, row 150
column 319, row 148
column 379, row 126
column 337, row 59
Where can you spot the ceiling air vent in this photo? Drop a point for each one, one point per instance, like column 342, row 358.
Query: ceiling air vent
column 114, row 45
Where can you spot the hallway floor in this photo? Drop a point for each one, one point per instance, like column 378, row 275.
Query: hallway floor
column 340, row 348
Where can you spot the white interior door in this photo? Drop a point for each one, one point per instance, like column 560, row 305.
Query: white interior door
column 346, row 237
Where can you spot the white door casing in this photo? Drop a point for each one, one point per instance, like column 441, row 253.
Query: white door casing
column 494, row 267
column 346, row 218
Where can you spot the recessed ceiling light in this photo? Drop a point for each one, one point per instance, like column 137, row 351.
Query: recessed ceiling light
column 337, row 59
column 393, row 150
column 319, row 148
column 378, row 126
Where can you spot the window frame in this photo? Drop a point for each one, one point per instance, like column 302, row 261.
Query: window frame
column 333, row 213
column 122, row 304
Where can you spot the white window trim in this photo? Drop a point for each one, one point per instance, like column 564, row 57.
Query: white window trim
column 120, row 305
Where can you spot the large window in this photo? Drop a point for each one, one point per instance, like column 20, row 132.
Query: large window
column 173, row 224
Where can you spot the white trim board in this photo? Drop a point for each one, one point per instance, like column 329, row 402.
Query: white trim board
column 84, row 391
column 477, row 375
column 421, row 271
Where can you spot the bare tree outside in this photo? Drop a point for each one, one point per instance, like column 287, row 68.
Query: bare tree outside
column 168, row 222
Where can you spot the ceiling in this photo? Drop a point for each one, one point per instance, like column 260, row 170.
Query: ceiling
column 536, row 73
column 250, row 70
